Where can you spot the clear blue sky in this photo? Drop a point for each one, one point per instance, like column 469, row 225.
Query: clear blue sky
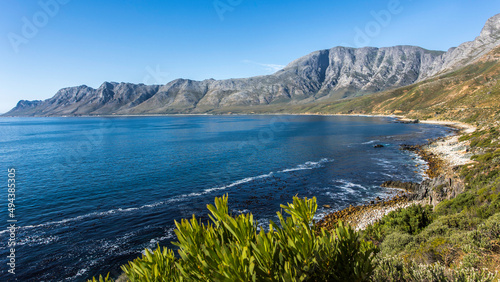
column 87, row 42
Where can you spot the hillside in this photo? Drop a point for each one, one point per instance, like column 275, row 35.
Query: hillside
column 470, row 92
column 455, row 238
column 323, row 76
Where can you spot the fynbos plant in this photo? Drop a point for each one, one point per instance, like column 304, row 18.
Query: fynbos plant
column 231, row 249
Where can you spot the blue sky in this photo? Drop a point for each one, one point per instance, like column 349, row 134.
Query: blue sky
column 50, row 44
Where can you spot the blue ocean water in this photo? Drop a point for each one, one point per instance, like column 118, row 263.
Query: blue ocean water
column 92, row 193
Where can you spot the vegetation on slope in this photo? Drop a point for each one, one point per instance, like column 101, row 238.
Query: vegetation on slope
column 470, row 94
column 463, row 231
column 454, row 241
column 233, row 249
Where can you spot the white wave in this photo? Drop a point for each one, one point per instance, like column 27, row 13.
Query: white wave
column 382, row 161
column 78, row 274
column 306, row 165
column 37, row 240
column 370, row 142
column 154, row 242
column 348, row 185
column 240, row 211
column 238, row 182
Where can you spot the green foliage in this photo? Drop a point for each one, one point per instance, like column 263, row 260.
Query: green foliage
column 471, row 260
column 152, row 266
column 231, row 249
column 487, row 235
column 437, row 249
column 101, row 279
column 398, row 269
column 457, row 204
column 395, row 242
column 410, row 220
column 486, row 157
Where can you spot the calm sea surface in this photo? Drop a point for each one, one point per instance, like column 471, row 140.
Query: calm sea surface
column 92, row 193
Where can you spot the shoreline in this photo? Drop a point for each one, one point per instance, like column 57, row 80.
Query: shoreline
column 204, row 114
column 442, row 156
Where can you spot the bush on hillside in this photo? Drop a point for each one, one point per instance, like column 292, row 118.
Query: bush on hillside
column 397, row 269
column 411, row 220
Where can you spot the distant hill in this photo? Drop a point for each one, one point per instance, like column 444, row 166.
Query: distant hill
column 325, row 80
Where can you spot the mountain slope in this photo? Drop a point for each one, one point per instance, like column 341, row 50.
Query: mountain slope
column 470, row 92
column 322, row 76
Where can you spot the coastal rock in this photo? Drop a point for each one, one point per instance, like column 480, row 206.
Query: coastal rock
column 408, row 121
column 432, row 190
column 408, row 186
column 378, row 146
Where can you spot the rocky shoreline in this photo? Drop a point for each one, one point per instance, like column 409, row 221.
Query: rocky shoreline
column 359, row 217
column 443, row 156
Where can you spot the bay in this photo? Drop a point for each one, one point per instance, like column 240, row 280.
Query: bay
column 93, row 192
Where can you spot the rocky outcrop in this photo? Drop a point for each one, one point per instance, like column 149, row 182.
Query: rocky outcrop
column 438, row 189
column 408, row 186
column 321, row 76
column 432, row 190
column 468, row 52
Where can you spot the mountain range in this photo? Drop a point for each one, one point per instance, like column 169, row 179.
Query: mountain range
column 322, row 77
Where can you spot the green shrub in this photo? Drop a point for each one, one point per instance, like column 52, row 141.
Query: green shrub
column 471, row 260
column 102, row 279
column 230, row 249
column 437, row 249
column 397, row 269
column 491, row 227
column 462, row 201
column 152, row 266
column 487, row 234
column 410, row 220
column 395, row 243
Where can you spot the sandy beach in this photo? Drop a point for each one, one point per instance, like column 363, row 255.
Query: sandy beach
column 450, row 149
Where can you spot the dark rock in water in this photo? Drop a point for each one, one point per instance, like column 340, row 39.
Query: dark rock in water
column 411, row 148
column 378, row 146
column 408, row 121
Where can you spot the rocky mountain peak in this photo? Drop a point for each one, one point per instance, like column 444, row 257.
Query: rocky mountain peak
column 491, row 29
column 324, row 75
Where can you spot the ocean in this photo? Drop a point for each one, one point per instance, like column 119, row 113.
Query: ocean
column 93, row 192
